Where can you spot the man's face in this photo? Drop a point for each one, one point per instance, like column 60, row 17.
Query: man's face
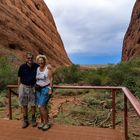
column 29, row 59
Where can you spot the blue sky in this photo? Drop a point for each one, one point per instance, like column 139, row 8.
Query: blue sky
column 92, row 30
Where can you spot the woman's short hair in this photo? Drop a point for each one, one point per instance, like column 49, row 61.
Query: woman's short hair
column 43, row 57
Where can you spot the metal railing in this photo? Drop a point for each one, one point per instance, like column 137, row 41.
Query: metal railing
column 128, row 96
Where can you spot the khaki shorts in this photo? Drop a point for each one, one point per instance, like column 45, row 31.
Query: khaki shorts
column 26, row 95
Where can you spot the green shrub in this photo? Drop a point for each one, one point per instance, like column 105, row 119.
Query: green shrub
column 130, row 83
column 8, row 73
column 122, row 74
column 68, row 75
column 70, row 92
column 93, row 79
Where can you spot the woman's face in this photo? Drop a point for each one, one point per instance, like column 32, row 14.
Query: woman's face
column 41, row 62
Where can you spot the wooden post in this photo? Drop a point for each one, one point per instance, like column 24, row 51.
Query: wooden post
column 125, row 118
column 113, row 108
column 10, row 107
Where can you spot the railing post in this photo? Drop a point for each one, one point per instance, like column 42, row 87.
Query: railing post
column 9, row 105
column 125, row 118
column 113, row 108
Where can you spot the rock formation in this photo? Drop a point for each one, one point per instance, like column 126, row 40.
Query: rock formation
column 27, row 25
column 131, row 44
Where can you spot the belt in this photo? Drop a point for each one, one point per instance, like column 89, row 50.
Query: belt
column 30, row 86
column 44, row 86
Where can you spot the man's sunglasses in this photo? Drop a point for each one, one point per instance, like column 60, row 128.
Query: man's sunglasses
column 29, row 58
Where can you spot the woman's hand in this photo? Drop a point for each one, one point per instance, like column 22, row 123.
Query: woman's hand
column 50, row 91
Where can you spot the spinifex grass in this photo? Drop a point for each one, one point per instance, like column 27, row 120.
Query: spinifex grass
column 94, row 109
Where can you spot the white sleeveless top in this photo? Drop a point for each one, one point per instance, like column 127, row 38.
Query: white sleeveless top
column 42, row 78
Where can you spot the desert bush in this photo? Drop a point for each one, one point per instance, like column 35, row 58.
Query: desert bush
column 8, row 73
column 87, row 112
column 93, row 79
column 70, row 92
column 122, row 74
column 68, row 75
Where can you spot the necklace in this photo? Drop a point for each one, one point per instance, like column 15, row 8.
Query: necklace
column 42, row 68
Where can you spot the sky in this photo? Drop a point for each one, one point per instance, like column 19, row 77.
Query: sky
column 92, row 30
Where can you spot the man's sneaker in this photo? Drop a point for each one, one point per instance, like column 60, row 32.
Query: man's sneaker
column 34, row 124
column 40, row 126
column 25, row 124
column 45, row 127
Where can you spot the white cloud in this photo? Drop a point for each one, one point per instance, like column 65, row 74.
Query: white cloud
column 92, row 26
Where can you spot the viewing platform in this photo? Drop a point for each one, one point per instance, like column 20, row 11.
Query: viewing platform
column 11, row 130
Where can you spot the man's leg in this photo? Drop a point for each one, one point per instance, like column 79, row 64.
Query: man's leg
column 23, row 104
column 34, row 124
column 25, row 117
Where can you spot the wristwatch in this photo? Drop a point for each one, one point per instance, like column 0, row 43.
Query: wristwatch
column 49, row 88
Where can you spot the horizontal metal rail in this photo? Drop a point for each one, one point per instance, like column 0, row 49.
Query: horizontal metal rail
column 132, row 99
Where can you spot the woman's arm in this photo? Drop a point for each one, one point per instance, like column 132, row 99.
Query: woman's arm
column 50, row 78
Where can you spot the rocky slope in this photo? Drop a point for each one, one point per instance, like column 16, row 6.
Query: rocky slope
column 131, row 44
column 28, row 25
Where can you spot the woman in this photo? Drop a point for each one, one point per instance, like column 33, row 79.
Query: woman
column 43, row 89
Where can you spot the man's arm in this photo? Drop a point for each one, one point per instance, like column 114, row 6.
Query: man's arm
column 18, row 81
column 19, row 76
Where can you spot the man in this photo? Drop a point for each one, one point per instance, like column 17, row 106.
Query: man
column 26, row 82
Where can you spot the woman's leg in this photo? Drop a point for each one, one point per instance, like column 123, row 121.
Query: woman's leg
column 42, row 120
column 41, row 116
column 45, row 115
column 43, row 108
column 43, row 103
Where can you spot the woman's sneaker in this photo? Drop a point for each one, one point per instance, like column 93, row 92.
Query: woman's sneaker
column 45, row 127
column 40, row 126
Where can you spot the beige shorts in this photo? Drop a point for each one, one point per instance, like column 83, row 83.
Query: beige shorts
column 26, row 95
